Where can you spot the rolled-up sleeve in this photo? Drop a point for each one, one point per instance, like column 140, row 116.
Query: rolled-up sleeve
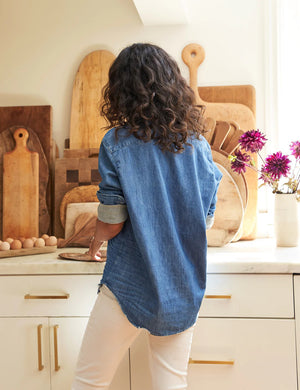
column 112, row 208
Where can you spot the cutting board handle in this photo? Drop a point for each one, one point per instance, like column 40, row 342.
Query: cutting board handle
column 21, row 137
column 193, row 55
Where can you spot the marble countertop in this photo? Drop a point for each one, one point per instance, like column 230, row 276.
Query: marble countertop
column 258, row 256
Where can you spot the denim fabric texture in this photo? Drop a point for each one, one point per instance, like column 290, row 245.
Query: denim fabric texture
column 156, row 266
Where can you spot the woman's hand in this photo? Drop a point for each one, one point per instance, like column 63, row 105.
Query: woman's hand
column 94, row 249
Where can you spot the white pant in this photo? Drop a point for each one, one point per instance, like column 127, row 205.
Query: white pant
column 107, row 338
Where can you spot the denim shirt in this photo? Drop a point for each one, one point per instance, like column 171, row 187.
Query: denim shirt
column 156, row 266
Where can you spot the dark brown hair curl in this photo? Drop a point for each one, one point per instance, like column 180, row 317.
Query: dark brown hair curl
column 147, row 94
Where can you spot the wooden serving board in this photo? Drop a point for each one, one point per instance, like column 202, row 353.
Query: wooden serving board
column 71, row 173
column 38, row 119
column 20, row 190
column 193, row 55
column 29, row 251
column 73, row 210
column 7, row 144
column 229, row 212
column 86, row 122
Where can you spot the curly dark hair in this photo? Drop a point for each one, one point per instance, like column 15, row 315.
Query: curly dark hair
column 147, row 94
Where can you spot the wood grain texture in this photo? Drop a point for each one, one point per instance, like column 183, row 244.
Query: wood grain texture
column 71, row 173
column 38, row 119
column 7, row 144
column 78, row 195
column 73, row 210
column 239, row 179
column 241, row 94
column 86, row 124
column 229, row 212
column 193, row 55
column 29, row 251
column 20, row 189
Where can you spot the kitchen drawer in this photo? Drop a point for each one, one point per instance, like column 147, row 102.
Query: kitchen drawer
column 243, row 354
column 248, row 295
column 49, row 295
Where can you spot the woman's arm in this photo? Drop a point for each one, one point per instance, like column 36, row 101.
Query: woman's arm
column 103, row 232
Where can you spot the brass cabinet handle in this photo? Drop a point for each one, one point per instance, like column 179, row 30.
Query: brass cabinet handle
column 228, row 362
column 218, row 296
column 39, row 339
column 63, row 296
column 57, row 366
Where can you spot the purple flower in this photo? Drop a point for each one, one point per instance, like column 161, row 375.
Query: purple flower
column 238, row 162
column 277, row 165
column 295, row 148
column 252, row 141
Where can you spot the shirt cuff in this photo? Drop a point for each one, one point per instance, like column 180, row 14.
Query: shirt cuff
column 209, row 221
column 116, row 213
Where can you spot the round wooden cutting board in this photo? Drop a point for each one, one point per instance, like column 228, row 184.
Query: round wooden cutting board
column 229, row 212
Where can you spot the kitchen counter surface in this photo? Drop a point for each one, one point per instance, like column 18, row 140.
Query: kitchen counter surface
column 258, row 256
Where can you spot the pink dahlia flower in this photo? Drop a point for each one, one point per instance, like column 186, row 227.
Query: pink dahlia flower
column 295, row 148
column 277, row 165
column 239, row 161
column 252, row 141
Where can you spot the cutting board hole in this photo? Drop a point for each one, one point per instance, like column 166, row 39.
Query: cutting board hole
column 193, row 54
column 20, row 135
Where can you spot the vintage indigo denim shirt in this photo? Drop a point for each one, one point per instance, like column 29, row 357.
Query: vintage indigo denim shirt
column 156, row 266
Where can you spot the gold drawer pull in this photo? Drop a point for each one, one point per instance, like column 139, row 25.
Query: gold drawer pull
column 228, row 362
column 39, row 339
column 57, row 366
column 218, row 296
column 63, row 296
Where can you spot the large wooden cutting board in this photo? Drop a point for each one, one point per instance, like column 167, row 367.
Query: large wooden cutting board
column 7, row 144
column 38, row 119
column 86, row 124
column 193, row 55
column 20, row 190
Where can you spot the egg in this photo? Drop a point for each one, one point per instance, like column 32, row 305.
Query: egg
column 34, row 239
column 9, row 240
column 28, row 243
column 16, row 244
column 22, row 239
column 40, row 242
column 45, row 236
column 4, row 246
column 51, row 241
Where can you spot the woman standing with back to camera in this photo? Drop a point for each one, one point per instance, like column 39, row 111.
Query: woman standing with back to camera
column 157, row 198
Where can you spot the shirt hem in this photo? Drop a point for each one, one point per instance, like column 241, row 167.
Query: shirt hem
column 141, row 326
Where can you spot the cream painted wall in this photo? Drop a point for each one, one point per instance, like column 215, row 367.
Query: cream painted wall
column 43, row 42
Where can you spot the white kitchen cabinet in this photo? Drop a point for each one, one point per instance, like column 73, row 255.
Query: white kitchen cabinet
column 297, row 318
column 19, row 361
column 57, row 337
column 242, row 340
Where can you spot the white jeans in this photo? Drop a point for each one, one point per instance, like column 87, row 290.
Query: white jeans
column 108, row 336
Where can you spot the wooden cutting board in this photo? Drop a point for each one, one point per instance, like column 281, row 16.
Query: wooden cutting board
column 229, row 212
column 38, row 119
column 193, row 55
column 7, row 144
column 71, row 173
column 73, row 210
column 20, row 190
column 86, row 123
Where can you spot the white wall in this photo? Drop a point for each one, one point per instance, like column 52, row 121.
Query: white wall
column 43, row 42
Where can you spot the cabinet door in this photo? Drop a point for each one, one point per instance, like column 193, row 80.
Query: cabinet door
column 65, row 340
column 24, row 354
column 262, row 352
column 297, row 317
column 243, row 354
